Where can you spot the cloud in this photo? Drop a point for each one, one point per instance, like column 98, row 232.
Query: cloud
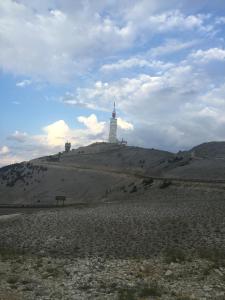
column 126, row 64
column 18, row 136
column 34, row 35
column 92, row 124
column 205, row 56
column 10, row 159
column 56, row 134
column 163, row 66
column 176, row 20
column 4, row 150
column 16, row 102
column 124, row 124
column 32, row 39
column 220, row 20
column 24, row 83
column 145, row 92
column 135, row 62
column 176, row 109
column 171, row 46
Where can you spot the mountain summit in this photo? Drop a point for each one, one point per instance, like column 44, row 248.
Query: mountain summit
column 89, row 174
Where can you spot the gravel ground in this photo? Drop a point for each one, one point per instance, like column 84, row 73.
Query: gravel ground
column 161, row 244
column 154, row 222
column 47, row 278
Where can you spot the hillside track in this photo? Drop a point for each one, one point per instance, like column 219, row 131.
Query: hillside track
column 131, row 173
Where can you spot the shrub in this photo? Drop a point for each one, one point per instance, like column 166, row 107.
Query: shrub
column 147, row 181
column 215, row 255
column 151, row 290
column 10, row 184
column 174, row 255
column 139, row 292
column 165, row 184
column 134, row 189
column 54, row 272
column 13, row 279
column 127, row 294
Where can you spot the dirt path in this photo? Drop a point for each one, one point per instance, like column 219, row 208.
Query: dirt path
column 130, row 173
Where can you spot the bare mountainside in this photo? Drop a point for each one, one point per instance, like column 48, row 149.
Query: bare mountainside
column 93, row 173
column 149, row 225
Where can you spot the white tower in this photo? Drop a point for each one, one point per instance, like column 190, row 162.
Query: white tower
column 113, row 127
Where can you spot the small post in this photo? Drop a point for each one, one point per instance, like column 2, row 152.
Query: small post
column 60, row 199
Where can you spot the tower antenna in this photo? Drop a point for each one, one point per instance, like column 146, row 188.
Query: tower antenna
column 113, row 127
column 114, row 111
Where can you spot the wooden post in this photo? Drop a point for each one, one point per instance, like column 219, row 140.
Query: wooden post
column 60, row 199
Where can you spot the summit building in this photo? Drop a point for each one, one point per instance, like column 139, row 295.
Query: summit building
column 113, row 127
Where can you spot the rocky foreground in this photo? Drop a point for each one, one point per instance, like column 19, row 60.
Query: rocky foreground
column 171, row 277
column 143, row 226
column 162, row 244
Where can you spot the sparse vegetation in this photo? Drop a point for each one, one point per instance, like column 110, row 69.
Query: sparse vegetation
column 52, row 271
column 127, row 294
column 139, row 292
column 23, row 172
column 213, row 254
column 134, row 189
column 13, row 279
column 137, row 248
column 150, row 290
column 183, row 297
column 165, row 183
column 174, row 255
column 147, row 181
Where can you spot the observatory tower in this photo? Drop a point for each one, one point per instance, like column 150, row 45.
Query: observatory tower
column 113, row 127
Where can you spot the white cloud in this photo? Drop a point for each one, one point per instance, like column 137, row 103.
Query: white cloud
column 92, row 124
column 216, row 96
column 16, row 102
column 56, row 134
column 18, row 136
column 126, row 64
column 10, row 159
column 135, row 62
column 171, row 46
column 144, row 92
column 175, row 19
column 24, row 83
column 54, row 39
column 176, row 109
column 172, row 104
column 220, row 20
column 4, row 150
column 53, row 138
column 206, row 56
column 51, row 44
column 124, row 124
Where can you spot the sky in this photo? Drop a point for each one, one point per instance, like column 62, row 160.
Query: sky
column 63, row 63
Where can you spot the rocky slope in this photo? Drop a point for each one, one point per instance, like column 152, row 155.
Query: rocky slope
column 88, row 173
column 47, row 278
column 128, row 238
column 157, row 243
